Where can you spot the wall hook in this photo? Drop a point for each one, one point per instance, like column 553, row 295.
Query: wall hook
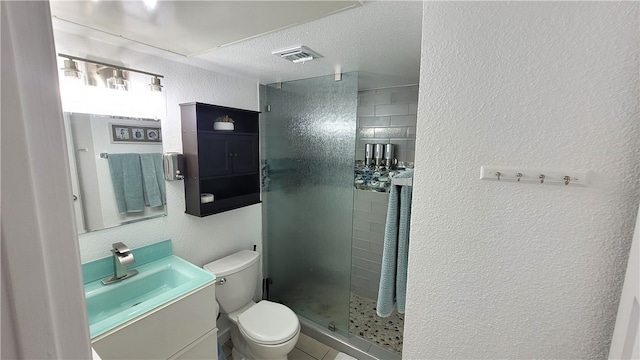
column 545, row 177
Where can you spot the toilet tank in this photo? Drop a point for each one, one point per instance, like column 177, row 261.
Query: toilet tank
column 240, row 271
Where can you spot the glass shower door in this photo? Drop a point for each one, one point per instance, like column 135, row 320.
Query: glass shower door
column 308, row 157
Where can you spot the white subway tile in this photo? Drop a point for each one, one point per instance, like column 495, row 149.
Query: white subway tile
column 364, row 273
column 366, row 293
column 370, row 256
column 369, row 236
column 369, row 216
column 361, row 225
column 401, row 155
column 360, row 244
column 379, row 208
column 404, row 97
column 390, row 132
column 397, row 89
column 373, row 121
column 400, row 144
column 363, row 254
column 366, row 92
column 367, row 110
column 375, row 266
column 359, row 281
column 359, row 262
column 375, row 99
column 413, row 108
column 366, row 133
column 376, row 228
column 376, row 248
column 403, row 120
column 379, row 197
column 374, row 282
column 362, row 205
column 397, row 109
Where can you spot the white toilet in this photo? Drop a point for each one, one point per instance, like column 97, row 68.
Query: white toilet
column 265, row 330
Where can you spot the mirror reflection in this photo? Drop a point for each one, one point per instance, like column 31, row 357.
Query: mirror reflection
column 116, row 169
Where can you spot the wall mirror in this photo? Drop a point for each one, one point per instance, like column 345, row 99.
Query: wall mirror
column 116, row 169
column 112, row 117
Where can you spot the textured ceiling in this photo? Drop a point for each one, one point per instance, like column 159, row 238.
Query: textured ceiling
column 193, row 27
column 380, row 39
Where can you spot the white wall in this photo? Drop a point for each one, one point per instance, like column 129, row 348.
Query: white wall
column 198, row 240
column 42, row 297
column 507, row 270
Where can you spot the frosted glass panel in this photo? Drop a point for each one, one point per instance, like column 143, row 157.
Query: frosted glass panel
column 308, row 155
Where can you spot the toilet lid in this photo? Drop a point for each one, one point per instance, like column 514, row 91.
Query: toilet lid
column 269, row 323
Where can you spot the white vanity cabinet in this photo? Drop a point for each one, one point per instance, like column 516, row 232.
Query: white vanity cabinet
column 184, row 328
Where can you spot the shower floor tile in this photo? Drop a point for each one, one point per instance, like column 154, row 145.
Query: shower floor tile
column 315, row 301
column 364, row 322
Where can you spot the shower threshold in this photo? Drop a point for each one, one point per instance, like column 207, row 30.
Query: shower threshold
column 352, row 345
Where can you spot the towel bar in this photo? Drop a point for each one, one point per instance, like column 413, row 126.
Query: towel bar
column 402, row 181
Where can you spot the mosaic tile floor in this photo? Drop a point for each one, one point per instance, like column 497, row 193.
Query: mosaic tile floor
column 364, row 322
column 314, row 301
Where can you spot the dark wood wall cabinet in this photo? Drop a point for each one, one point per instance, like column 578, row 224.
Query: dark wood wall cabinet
column 225, row 163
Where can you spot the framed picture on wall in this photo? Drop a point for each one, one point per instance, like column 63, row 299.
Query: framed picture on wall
column 129, row 134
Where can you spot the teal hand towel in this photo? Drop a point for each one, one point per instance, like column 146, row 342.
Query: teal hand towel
column 153, row 179
column 126, row 176
column 404, row 224
column 393, row 277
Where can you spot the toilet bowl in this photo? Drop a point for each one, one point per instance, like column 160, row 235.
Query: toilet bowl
column 263, row 330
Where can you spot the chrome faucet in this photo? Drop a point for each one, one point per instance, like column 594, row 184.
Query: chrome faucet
column 122, row 257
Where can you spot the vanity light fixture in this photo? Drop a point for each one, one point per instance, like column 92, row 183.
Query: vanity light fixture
column 119, row 79
column 71, row 69
column 155, row 84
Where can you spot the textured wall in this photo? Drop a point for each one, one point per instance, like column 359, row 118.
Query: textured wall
column 198, row 240
column 507, row 270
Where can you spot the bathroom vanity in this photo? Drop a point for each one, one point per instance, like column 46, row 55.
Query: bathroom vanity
column 182, row 329
column 166, row 311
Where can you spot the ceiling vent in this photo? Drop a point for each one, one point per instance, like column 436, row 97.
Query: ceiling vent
column 298, row 54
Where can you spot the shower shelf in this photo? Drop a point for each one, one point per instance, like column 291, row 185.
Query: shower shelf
column 223, row 163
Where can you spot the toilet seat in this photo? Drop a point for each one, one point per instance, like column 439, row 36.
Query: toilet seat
column 268, row 323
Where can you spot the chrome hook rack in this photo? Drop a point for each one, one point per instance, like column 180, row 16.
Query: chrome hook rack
column 533, row 176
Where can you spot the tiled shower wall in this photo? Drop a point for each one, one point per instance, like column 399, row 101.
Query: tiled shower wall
column 388, row 116
column 369, row 217
column 384, row 116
